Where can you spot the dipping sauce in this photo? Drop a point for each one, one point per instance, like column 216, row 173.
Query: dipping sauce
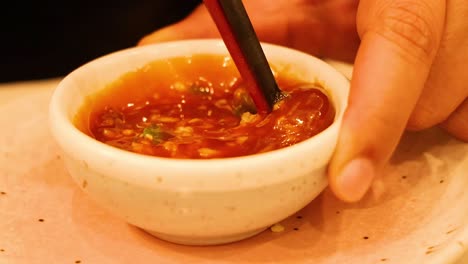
column 197, row 108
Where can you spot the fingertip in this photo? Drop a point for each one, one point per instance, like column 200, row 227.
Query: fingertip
column 457, row 123
column 353, row 180
column 162, row 35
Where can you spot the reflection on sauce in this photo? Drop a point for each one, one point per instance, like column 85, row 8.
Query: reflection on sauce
column 196, row 107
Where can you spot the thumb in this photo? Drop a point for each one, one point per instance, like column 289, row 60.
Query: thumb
column 197, row 25
column 399, row 40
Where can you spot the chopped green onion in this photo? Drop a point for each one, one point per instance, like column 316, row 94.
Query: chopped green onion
column 242, row 102
column 155, row 134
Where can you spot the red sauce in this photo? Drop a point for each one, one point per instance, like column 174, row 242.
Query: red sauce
column 196, row 107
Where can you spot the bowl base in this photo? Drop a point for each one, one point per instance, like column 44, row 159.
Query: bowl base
column 204, row 241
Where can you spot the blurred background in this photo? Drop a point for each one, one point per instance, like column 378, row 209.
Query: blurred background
column 44, row 39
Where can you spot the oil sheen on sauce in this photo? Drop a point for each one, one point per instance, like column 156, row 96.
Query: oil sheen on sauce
column 197, row 108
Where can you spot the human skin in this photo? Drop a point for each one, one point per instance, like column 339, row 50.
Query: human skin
column 410, row 59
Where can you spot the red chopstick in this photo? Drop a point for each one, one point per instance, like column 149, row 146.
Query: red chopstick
column 244, row 47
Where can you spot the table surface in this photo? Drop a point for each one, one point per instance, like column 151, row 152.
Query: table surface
column 10, row 92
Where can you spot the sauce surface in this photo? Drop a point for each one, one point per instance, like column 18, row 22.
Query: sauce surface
column 196, row 107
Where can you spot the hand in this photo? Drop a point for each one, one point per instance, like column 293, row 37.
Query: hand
column 409, row 69
column 326, row 28
column 409, row 72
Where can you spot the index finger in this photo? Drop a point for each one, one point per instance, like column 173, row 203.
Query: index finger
column 399, row 40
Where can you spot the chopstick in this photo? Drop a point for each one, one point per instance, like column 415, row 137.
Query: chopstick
column 244, row 47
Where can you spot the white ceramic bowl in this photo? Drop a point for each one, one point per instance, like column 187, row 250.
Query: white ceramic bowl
column 196, row 202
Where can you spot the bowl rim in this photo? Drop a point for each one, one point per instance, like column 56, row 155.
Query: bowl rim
column 61, row 124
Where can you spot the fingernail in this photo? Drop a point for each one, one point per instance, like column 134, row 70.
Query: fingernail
column 355, row 179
